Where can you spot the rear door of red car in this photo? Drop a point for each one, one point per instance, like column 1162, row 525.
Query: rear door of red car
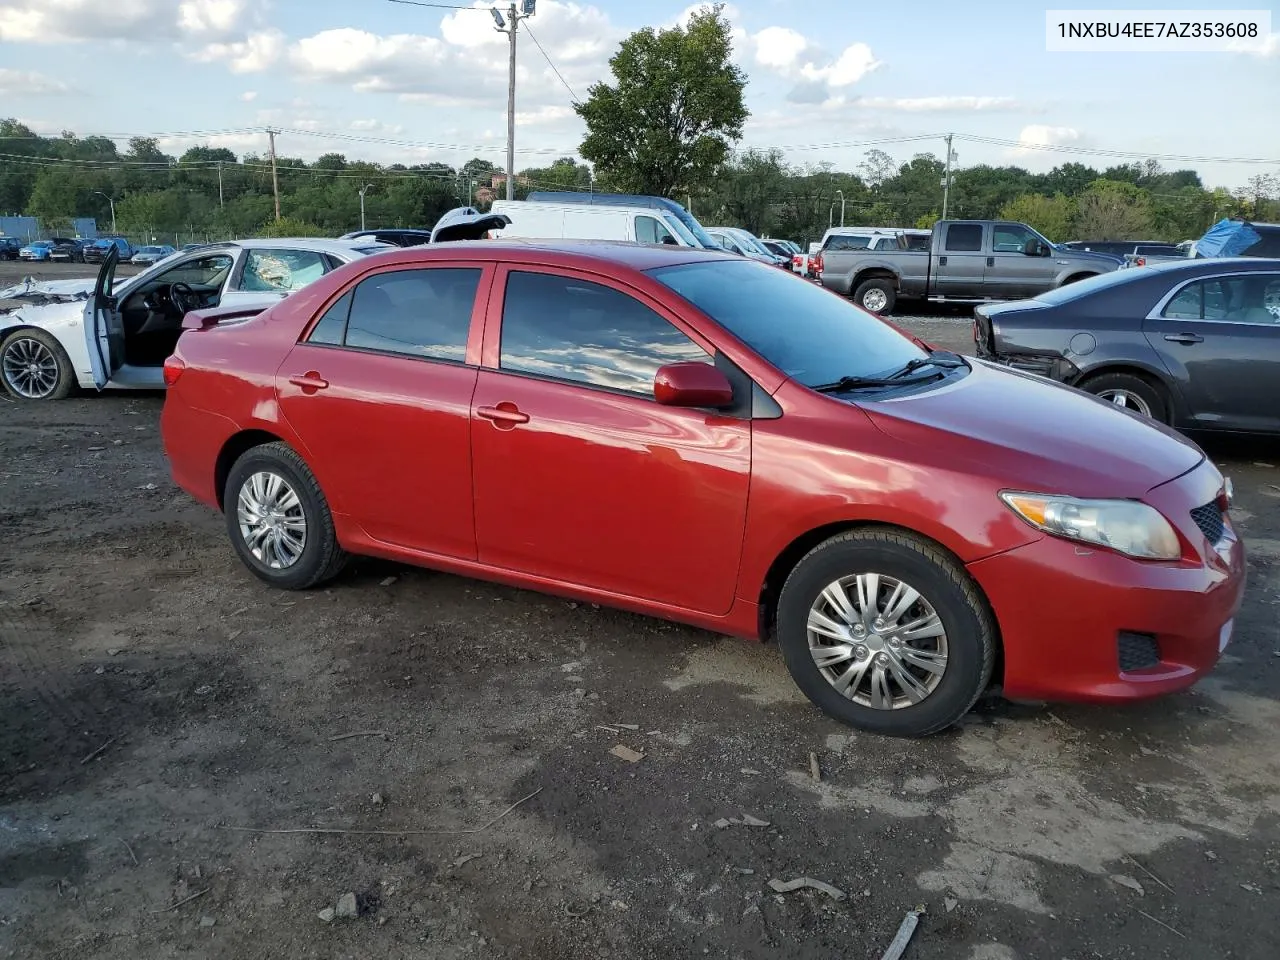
column 379, row 391
column 580, row 475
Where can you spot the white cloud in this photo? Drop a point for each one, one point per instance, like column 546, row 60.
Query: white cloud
column 253, row 54
column 1264, row 46
column 376, row 126
column 211, row 17
column 466, row 63
column 1039, row 135
column 249, row 96
column 28, row 83
column 63, row 21
column 939, row 104
column 792, row 55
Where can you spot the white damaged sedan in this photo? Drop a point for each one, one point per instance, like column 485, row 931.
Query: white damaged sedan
column 68, row 333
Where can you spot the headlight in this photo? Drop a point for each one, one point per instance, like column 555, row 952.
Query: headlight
column 1126, row 526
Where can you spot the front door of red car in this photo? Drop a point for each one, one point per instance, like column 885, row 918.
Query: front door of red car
column 580, row 475
column 379, row 391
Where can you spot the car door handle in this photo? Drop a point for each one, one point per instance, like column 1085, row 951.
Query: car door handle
column 504, row 414
column 991, row 261
column 942, row 261
column 309, row 382
column 1184, row 338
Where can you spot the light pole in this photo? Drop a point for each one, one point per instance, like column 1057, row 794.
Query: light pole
column 362, row 193
column 947, row 179
column 527, row 9
column 841, row 192
column 112, row 201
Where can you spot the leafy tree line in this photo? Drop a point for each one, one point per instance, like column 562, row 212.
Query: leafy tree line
column 666, row 123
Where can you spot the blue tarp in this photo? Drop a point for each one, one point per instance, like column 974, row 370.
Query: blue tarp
column 1227, row 238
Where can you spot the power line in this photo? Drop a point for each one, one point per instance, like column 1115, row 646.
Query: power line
column 435, row 6
column 1104, row 152
column 572, row 96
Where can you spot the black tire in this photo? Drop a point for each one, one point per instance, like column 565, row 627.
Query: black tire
column 883, row 288
column 321, row 557
column 65, row 383
column 969, row 626
column 1141, row 395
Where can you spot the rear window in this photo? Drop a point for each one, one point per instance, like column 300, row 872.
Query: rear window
column 1091, row 285
column 845, row 242
column 1268, row 244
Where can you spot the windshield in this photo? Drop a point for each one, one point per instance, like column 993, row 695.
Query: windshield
column 684, row 232
column 805, row 331
column 751, row 243
column 699, row 234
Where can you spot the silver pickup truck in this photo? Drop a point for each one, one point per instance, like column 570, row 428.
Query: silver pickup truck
column 969, row 261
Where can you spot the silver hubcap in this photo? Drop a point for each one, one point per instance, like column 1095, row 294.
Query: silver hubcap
column 30, row 368
column 1128, row 400
column 271, row 519
column 877, row 641
column 875, row 300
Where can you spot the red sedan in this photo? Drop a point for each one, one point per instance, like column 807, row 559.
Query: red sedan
column 702, row 438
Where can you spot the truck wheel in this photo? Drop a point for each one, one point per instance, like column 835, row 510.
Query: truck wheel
column 1130, row 392
column 875, row 296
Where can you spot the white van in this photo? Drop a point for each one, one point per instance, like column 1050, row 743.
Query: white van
column 539, row 220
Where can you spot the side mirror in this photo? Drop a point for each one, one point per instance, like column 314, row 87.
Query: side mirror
column 691, row 384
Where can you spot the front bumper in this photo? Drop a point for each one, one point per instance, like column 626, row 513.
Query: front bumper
column 1066, row 610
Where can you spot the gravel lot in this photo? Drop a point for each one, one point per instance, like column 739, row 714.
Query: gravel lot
column 156, row 699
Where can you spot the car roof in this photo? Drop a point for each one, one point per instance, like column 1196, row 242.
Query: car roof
column 1213, row 265
column 315, row 244
column 637, row 256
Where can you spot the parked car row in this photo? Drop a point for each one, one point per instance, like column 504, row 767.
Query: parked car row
column 909, row 525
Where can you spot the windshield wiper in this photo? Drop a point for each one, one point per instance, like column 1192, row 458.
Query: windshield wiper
column 899, row 378
column 857, row 383
column 938, row 359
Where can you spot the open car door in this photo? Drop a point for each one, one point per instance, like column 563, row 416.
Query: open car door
column 464, row 223
column 104, row 334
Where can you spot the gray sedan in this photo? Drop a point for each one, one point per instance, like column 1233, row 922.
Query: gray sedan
column 1193, row 344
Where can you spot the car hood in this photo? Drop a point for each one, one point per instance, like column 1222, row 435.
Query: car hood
column 1090, row 256
column 41, row 314
column 45, row 291
column 1040, row 435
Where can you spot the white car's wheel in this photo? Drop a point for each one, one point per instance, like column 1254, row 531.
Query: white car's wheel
column 33, row 366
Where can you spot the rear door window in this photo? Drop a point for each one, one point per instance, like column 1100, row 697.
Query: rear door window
column 964, row 237
column 416, row 313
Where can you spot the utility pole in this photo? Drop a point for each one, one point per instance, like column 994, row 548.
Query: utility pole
column 527, row 9
column 946, row 183
column 112, row 202
column 275, row 181
column 362, row 192
column 841, row 192
column 221, row 203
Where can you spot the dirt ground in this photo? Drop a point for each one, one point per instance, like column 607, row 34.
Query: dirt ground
column 163, row 711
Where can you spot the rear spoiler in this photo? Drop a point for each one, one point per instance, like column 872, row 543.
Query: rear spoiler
column 203, row 319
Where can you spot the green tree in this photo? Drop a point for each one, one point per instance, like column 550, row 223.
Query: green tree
column 1050, row 215
column 1112, row 210
column 674, row 110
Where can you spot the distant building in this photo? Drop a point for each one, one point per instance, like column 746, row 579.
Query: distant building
column 24, row 228
column 30, row 228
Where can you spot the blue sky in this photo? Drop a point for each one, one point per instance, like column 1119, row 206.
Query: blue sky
column 392, row 82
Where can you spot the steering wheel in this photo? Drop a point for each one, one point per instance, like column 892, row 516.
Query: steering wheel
column 183, row 298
